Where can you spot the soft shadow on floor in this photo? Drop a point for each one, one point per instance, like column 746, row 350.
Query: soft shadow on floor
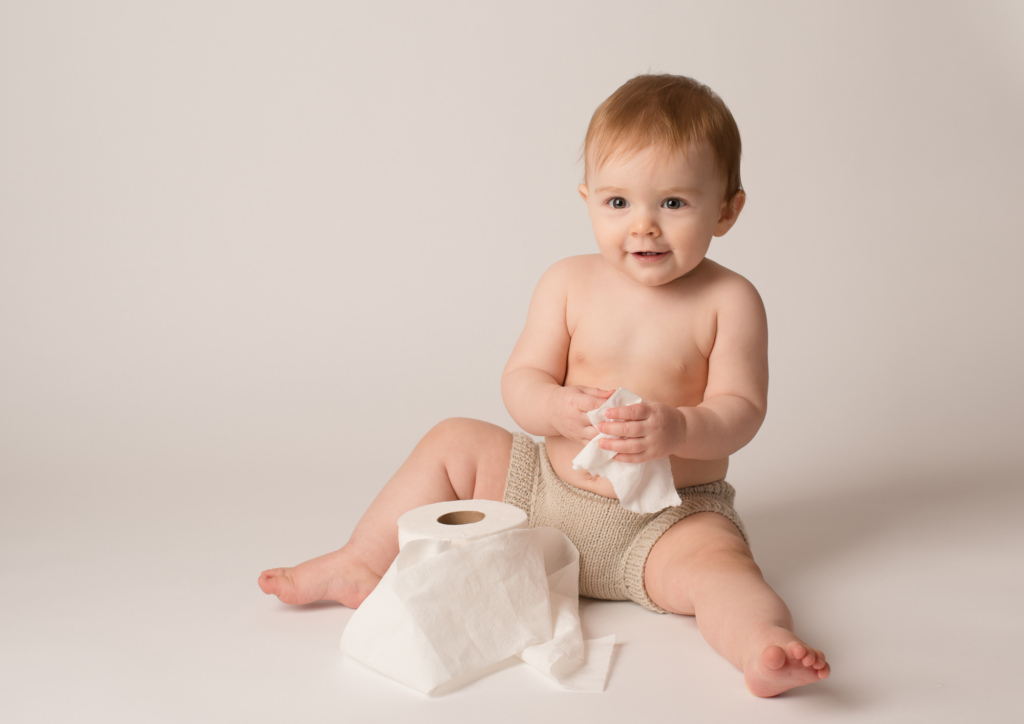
column 307, row 607
column 850, row 508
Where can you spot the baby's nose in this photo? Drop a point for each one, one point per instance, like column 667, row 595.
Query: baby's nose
column 644, row 225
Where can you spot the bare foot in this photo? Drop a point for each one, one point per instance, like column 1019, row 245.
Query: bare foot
column 337, row 576
column 784, row 666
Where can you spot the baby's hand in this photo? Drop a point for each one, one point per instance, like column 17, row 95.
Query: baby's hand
column 570, row 407
column 650, row 430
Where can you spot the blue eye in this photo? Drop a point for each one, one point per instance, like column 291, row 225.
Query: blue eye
column 673, row 203
column 618, row 203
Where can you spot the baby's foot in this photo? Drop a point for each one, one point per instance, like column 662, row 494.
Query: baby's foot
column 337, row 576
column 784, row 665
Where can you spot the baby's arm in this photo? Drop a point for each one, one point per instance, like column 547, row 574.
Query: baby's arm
column 531, row 384
column 735, row 399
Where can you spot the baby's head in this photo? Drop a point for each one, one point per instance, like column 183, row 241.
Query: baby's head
column 671, row 112
column 662, row 176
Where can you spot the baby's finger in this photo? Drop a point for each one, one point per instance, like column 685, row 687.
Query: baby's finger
column 587, row 403
column 597, row 392
column 630, row 446
column 623, row 429
column 638, row 458
column 639, row 411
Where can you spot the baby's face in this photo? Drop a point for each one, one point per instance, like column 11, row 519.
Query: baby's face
column 654, row 212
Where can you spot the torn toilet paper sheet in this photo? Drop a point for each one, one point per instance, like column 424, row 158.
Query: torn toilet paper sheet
column 441, row 612
column 641, row 487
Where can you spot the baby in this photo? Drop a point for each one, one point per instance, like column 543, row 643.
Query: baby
column 649, row 313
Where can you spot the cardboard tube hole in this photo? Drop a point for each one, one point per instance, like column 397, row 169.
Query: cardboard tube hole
column 461, row 517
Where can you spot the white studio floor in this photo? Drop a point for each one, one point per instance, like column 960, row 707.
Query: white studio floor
column 142, row 609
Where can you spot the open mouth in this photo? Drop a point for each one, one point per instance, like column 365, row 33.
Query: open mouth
column 649, row 256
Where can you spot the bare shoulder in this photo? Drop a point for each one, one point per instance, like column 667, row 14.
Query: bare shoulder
column 558, row 285
column 576, row 280
column 544, row 341
column 728, row 291
column 738, row 360
column 573, row 270
column 572, row 280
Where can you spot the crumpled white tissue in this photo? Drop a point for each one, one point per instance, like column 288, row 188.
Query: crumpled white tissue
column 641, row 487
column 441, row 612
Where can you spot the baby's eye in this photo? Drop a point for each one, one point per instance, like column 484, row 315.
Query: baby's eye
column 618, row 203
column 673, row 203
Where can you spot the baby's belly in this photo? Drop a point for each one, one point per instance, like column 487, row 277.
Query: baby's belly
column 686, row 473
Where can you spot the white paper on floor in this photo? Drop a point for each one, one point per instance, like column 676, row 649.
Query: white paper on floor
column 442, row 612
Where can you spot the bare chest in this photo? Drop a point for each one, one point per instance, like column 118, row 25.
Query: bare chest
column 659, row 351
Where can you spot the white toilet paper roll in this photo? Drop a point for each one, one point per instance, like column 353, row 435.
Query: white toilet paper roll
column 458, row 521
column 474, row 585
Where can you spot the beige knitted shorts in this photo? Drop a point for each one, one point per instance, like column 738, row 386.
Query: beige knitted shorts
column 613, row 542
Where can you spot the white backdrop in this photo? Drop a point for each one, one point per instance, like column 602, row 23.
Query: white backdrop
column 251, row 252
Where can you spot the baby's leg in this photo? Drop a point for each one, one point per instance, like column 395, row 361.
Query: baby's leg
column 458, row 459
column 702, row 567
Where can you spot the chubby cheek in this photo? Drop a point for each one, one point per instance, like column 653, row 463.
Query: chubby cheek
column 612, row 254
column 609, row 238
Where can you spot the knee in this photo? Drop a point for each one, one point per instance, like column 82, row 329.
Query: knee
column 680, row 584
column 457, row 434
column 720, row 554
column 453, row 429
column 692, row 556
column 473, row 453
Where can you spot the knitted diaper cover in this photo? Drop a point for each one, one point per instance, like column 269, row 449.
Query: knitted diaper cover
column 613, row 542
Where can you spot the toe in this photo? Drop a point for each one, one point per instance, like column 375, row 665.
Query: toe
column 813, row 655
column 797, row 650
column 773, row 658
column 270, row 581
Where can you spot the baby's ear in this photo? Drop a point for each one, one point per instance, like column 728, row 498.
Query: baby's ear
column 730, row 212
column 583, row 192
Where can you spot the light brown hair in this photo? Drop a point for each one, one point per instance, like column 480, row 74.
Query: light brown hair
column 665, row 110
